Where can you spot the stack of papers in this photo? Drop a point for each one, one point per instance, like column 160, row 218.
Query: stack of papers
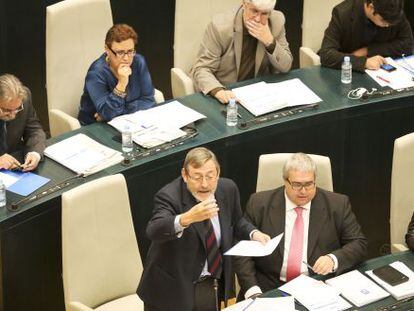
column 157, row 125
column 254, row 248
column 396, row 79
column 315, row 295
column 83, row 155
column 261, row 98
column 268, row 304
column 22, row 183
column 406, row 62
column 401, row 291
column 357, row 288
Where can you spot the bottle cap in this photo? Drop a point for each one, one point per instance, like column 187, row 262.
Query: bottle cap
column 347, row 58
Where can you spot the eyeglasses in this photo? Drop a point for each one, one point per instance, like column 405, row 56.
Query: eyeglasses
column 298, row 186
column 11, row 111
column 201, row 178
column 121, row 54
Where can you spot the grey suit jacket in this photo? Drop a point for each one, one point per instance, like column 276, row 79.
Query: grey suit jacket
column 218, row 60
column 173, row 264
column 333, row 228
column 25, row 133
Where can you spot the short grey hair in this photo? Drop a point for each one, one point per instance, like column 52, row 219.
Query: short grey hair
column 299, row 162
column 197, row 157
column 264, row 5
column 11, row 88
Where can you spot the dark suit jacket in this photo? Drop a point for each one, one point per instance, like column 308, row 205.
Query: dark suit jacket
column 174, row 264
column 409, row 237
column 346, row 32
column 333, row 228
column 25, row 133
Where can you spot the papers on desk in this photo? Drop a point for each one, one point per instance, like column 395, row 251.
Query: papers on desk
column 254, row 248
column 406, row 62
column 83, row 155
column 315, row 295
column 401, row 291
column 397, row 79
column 357, row 288
column 157, row 125
column 22, row 183
column 268, row 304
column 261, row 98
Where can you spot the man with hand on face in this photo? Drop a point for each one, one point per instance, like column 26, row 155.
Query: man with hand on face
column 241, row 45
column 21, row 134
column 194, row 220
column 367, row 31
column 319, row 228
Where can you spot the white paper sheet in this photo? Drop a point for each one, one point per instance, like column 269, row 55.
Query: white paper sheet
column 7, row 179
column 254, row 248
column 268, row 304
column 397, row 79
column 261, row 98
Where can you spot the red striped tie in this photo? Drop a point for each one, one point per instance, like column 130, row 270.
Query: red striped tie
column 296, row 247
column 214, row 259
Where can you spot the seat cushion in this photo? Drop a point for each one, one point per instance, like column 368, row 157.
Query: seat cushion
column 127, row 303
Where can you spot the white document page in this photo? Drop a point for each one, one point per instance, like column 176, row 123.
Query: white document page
column 261, row 304
column 397, row 79
column 7, row 179
column 254, row 248
column 315, row 295
column 261, row 98
column 401, row 291
column 82, row 154
column 154, row 136
column 357, row 288
column 406, row 62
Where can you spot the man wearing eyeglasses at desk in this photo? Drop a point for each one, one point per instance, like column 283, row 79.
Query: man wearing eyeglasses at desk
column 320, row 231
column 193, row 223
column 241, row 45
column 20, row 129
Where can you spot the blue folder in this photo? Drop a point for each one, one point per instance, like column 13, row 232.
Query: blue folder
column 27, row 182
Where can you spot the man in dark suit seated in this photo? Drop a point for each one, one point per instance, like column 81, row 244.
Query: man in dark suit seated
column 367, row 31
column 194, row 220
column 21, row 133
column 319, row 228
column 409, row 237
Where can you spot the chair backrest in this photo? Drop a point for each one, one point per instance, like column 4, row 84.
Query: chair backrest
column 402, row 194
column 100, row 257
column 316, row 17
column 191, row 20
column 75, row 37
column 269, row 175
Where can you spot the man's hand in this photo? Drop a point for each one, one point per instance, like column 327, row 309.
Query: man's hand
column 324, row 265
column 260, row 237
column 202, row 211
column 360, row 52
column 98, row 117
column 375, row 62
column 31, row 162
column 8, row 162
column 124, row 71
column 224, row 96
column 260, row 32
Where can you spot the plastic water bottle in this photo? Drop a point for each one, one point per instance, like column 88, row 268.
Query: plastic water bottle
column 346, row 72
column 231, row 117
column 2, row 193
column 127, row 143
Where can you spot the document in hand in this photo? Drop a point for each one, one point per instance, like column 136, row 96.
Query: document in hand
column 268, row 304
column 22, row 183
column 315, row 295
column 83, row 155
column 400, row 291
column 157, row 125
column 357, row 288
column 396, row 79
column 261, row 98
column 254, row 248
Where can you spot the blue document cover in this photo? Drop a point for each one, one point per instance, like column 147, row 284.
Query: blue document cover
column 26, row 182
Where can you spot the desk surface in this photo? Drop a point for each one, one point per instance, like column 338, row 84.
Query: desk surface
column 349, row 132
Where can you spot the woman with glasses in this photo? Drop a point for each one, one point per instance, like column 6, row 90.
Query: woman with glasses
column 118, row 82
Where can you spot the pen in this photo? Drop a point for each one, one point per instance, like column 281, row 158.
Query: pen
column 248, row 306
column 308, row 265
column 383, row 79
